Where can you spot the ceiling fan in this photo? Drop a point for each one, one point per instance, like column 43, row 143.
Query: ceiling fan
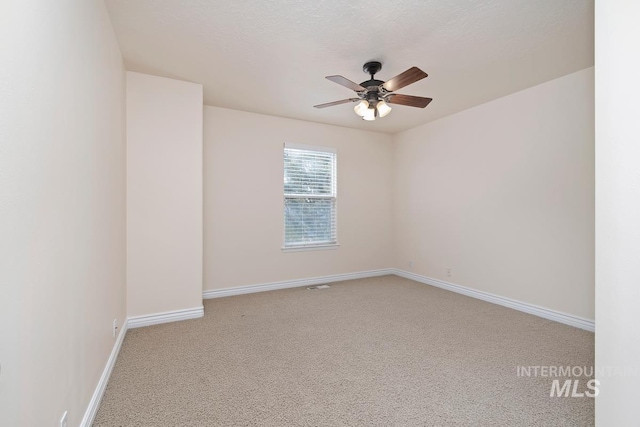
column 374, row 96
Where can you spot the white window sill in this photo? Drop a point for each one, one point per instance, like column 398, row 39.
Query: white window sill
column 310, row 248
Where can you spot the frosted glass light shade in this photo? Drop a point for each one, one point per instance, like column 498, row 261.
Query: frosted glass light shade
column 361, row 108
column 369, row 114
column 383, row 108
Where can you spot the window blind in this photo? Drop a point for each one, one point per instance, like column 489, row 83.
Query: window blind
column 309, row 196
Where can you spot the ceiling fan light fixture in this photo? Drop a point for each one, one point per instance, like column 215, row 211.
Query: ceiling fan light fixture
column 369, row 114
column 383, row 108
column 372, row 95
column 361, row 108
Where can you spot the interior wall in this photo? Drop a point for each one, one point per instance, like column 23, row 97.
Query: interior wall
column 62, row 206
column 502, row 196
column 617, row 212
column 164, row 195
column 243, row 184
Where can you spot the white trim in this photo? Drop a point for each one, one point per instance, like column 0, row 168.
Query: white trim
column 557, row 316
column 193, row 313
column 168, row 316
column 305, row 147
column 94, row 403
column 131, row 322
column 318, row 247
column 546, row 313
column 241, row 290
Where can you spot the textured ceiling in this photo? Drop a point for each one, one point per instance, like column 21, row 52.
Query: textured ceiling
column 271, row 56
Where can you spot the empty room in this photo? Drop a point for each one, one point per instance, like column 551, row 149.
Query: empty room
column 319, row 213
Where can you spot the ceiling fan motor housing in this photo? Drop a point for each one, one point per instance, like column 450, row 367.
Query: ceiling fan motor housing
column 372, row 68
column 372, row 97
column 373, row 83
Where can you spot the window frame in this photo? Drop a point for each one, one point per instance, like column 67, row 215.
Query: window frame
column 298, row 247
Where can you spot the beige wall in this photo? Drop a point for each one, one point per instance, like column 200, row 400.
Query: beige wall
column 617, row 210
column 62, row 206
column 164, row 195
column 243, row 183
column 503, row 196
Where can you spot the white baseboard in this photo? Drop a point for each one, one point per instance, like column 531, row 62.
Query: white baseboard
column 557, row 316
column 94, row 403
column 166, row 317
column 131, row 322
column 227, row 292
column 193, row 313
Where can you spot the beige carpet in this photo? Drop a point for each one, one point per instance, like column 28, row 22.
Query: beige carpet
column 384, row 351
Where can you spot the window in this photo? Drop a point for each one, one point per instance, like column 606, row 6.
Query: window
column 309, row 197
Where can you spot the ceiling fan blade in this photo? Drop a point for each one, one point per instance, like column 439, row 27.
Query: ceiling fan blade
column 412, row 75
column 331, row 104
column 346, row 83
column 411, row 101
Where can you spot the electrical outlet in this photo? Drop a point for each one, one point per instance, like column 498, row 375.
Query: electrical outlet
column 410, row 264
column 448, row 272
column 63, row 420
column 115, row 327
